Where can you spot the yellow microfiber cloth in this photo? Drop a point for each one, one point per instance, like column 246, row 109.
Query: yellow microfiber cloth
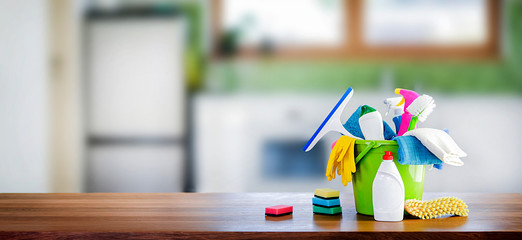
column 342, row 160
column 436, row 207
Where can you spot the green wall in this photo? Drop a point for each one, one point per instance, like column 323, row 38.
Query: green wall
column 326, row 76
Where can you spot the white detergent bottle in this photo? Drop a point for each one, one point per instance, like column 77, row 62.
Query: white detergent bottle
column 371, row 126
column 388, row 191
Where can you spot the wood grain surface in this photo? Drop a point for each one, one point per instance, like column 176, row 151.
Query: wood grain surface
column 238, row 216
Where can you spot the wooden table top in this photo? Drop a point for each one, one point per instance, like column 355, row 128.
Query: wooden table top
column 236, row 216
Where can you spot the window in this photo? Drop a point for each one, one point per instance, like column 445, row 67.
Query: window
column 425, row 23
column 311, row 22
column 357, row 28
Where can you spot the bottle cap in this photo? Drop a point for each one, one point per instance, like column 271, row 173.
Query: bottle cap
column 366, row 109
column 387, row 155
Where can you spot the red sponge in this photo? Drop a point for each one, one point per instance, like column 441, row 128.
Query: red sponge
column 279, row 210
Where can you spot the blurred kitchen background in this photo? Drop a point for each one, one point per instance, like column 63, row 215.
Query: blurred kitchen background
column 221, row 96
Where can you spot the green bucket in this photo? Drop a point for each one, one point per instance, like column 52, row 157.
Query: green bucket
column 368, row 158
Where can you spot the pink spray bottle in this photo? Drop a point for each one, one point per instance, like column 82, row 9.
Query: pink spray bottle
column 407, row 97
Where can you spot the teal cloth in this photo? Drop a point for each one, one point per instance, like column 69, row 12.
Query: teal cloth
column 412, row 152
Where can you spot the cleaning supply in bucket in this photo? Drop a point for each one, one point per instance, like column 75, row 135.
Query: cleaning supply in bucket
column 332, row 122
column 397, row 122
column 352, row 125
column 388, row 191
column 440, row 166
column 368, row 154
column 412, row 152
column 420, row 109
column 371, row 124
column 407, row 98
column 436, row 207
column 394, row 105
column 389, row 134
column 341, row 160
column 440, row 144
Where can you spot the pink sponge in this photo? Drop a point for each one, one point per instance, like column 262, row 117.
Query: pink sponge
column 279, row 210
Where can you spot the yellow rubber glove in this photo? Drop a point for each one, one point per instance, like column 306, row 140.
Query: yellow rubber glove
column 341, row 160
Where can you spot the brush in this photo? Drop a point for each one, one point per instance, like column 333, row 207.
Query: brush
column 420, row 109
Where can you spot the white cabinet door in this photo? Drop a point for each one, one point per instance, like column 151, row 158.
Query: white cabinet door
column 135, row 169
column 135, row 93
column 135, row 73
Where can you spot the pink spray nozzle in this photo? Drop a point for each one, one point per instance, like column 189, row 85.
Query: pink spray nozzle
column 408, row 96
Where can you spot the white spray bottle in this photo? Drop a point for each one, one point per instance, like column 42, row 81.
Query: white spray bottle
column 393, row 106
column 388, row 191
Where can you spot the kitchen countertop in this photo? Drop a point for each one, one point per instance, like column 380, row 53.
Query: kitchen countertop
column 238, row 216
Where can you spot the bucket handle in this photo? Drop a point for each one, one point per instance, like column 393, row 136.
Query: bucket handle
column 369, row 146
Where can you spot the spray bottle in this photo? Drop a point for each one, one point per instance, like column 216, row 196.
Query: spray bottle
column 393, row 105
column 407, row 98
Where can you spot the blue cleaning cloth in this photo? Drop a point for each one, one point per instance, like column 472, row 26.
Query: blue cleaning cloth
column 389, row 134
column 397, row 122
column 412, row 152
column 352, row 126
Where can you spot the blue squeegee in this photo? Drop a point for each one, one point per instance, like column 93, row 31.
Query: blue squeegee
column 332, row 122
